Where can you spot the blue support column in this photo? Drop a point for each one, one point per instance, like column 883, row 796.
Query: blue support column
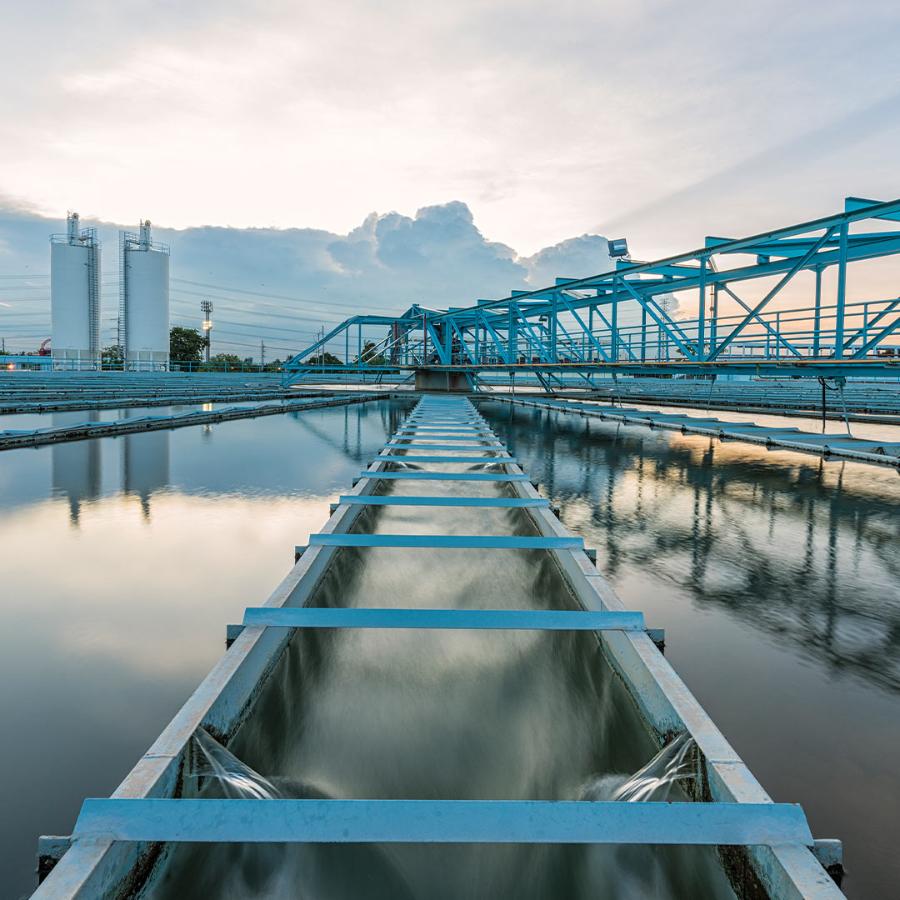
column 841, row 292
column 591, row 322
column 643, row 334
column 817, row 317
column 554, row 321
column 701, row 312
column 614, row 323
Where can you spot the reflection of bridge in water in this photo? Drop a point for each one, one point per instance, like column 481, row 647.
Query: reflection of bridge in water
column 805, row 550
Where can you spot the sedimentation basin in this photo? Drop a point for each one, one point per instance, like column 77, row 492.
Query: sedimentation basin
column 537, row 715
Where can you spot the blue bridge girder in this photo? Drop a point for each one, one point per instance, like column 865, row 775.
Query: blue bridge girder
column 576, row 325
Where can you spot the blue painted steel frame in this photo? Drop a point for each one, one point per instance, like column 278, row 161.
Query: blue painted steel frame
column 445, row 459
column 400, row 500
column 443, row 476
column 459, row 619
column 551, row 320
column 443, row 821
column 447, row 541
column 413, row 444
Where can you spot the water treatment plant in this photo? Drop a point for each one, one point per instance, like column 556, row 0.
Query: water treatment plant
column 592, row 589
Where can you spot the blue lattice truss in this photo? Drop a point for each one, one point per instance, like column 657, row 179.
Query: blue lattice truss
column 577, row 324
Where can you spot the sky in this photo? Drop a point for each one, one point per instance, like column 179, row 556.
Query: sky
column 659, row 121
column 281, row 286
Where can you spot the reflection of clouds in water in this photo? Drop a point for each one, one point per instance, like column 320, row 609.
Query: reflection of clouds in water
column 114, row 623
column 140, row 598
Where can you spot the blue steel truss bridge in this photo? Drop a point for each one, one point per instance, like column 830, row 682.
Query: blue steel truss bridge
column 772, row 304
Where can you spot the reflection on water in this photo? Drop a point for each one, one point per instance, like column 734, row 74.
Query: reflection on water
column 804, row 548
column 145, row 465
column 76, row 466
column 121, row 561
column 777, row 578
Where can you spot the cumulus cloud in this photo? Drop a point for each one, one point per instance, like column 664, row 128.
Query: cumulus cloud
column 437, row 257
column 243, row 113
column 573, row 258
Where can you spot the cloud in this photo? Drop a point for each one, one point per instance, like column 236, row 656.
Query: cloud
column 282, row 284
column 572, row 258
column 548, row 119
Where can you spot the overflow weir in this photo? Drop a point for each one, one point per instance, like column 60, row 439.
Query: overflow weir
column 440, row 697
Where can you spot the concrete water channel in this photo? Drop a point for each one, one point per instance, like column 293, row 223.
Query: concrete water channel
column 590, row 469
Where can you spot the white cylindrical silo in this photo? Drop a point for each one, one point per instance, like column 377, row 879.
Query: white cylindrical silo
column 145, row 301
column 75, row 297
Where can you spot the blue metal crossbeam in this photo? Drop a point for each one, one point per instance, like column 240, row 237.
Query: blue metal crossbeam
column 447, row 459
column 407, row 429
column 447, row 541
column 442, row 821
column 447, row 420
column 443, row 476
column 400, row 500
column 457, row 619
column 561, row 328
column 444, row 436
column 395, row 445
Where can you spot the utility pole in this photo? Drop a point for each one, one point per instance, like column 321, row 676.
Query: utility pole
column 206, row 308
column 262, row 354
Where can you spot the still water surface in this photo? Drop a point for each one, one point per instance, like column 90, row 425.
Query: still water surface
column 121, row 561
column 777, row 578
column 775, row 575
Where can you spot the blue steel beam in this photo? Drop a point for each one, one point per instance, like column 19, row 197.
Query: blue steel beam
column 536, row 315
column 454, row 619
column 890, row 306
column 441, row 476
column 444, row 459
column 418, row 445
column 427, row 430
column 876, row 339
column 771, row 294
column 421, row 421
column 447, row 541
column 443, row 821
column 401, row 500
column 758, row 318
column 457, row 434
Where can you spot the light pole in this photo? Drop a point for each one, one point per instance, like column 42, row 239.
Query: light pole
column 206, row 308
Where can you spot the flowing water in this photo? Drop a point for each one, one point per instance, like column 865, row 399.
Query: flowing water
column 774, row 574
column 444, row 715
column 325, row 871
column 654, row 782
